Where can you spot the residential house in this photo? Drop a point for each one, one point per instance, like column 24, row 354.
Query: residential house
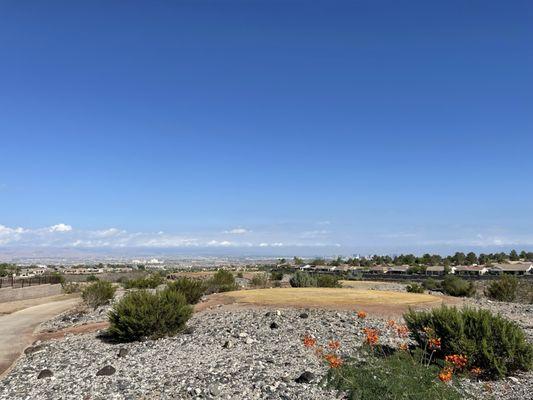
column 399, row 269
column 512, row 269
column 439, row 270
column 471, row 270
column 378, row 269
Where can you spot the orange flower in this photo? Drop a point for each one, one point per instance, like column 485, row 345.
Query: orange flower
column 361, row 314
column 372, row 336
column 333, row 360
column 434, row 344
column 403, row 347
column 459, row 361
column 445, row 375
column 402, row 330
column 476, row 371
column 334, row 344
column 309, row 341
column 391, row 323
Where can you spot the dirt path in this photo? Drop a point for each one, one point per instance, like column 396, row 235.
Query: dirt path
column 16, row 329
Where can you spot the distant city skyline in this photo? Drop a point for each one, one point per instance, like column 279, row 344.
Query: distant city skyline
column 266, row 128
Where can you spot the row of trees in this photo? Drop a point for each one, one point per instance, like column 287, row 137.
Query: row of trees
column 458, row 258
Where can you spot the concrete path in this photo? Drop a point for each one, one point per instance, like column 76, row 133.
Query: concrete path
column 16, row 329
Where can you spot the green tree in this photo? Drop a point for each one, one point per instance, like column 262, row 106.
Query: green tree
column 471, row 258
column 513, row 255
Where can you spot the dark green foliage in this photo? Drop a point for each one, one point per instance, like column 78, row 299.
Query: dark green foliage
column 327, row 281
column 141, row 314
column 276, row 275
column 302, row 279
column 98, row 293
column 147, row 282
column 222, row 281
column 193, row 289
column 398, row 376
column 492, row 343
column 504, row 289
column 92, row 278
column 414, row 288
column 431, row 284
column 455, row 286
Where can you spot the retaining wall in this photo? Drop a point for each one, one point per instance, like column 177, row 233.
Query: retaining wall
column 30, row 292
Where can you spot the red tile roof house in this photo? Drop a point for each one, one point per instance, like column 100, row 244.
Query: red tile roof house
column 512, row 269
column 471, row 270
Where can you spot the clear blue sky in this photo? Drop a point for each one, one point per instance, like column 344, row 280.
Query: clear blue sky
column 276, row 126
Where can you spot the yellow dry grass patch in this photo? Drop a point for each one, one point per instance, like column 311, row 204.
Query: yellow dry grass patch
column 367, row 284
column 328, row 297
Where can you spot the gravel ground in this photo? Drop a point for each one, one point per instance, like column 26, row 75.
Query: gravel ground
column 228, row 353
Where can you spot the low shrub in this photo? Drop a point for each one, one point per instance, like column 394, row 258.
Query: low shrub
column 193, row 289
column 414, row 288
column 302, row 279
column 397, row 376
column 240, row 275
column 147, row 282
column 98, row 293
column 141, row 314
column 490, row 342
column 504, row 289
column 276, row 275
column 222, row 281
column 92, row 278
column 259, row 280
column 71, row 287
column 455, row 286
column 431, row 284
column 327, row 281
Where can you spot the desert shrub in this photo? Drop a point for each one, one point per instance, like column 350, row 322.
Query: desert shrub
column 302, row 279
column 414, row 288
column 142, row 314
column 260, row 280
column 276, row 275
column 222, row 281
column 240, row 275
column 494, row 344
column 147, row 282
column 504, row 289
column 327, row 281
column 92, row 278
column 71, row 287
column 193, row 289
column 98, row 293
column 455, row 286
column 431, row 284
column 397, row 376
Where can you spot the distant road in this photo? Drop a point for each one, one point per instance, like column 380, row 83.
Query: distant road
column 16, row 329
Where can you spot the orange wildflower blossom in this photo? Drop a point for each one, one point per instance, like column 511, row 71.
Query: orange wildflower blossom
column 372, row 336
column 404, row 347
column 361, row 314
column 333, row 360
column 309, row 341
column 334, row 344
column 459, row 361
column 391, row 323
column 434, row 344
column 402, row 330
column 476, row 371
column 446, row 375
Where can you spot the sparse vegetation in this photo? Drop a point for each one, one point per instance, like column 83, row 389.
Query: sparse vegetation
column 148, row 282
column 276, row 275
column 193, row 289
column 92, row 278
column 98, row 293
column 304, row 279
column 490, row 342
column 414, row 288
column 222, row 281
column 504, row 289
column 455, row 286
column 259, row 280
column 141, row 314
column 431, row 284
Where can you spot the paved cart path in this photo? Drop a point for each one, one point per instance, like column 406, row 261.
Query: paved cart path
column 16, row 329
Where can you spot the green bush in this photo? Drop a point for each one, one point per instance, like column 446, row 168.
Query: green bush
column 455, row 286
column 494, row 344
column 276, row 275
column 327, row 281
column 141, row 314
column 302, row 279
column 414, row 288
column 71, row 287
column 193, row 289
column 147, row 282
column 260, row 280
column 92, row 278
column 504, row 289
column 98, row 293
column 222, row 281
column 431, row 284
column 240, row 275
column 393, row 377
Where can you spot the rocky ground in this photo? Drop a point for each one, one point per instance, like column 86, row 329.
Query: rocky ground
column 227, row 353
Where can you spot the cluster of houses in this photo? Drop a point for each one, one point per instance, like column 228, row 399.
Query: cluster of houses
column 40, row 270
column 462, row 270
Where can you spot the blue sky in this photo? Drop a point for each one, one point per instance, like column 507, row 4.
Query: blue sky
column 267, row 126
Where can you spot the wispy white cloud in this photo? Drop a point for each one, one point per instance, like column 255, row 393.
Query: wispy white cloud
column 237, row 231
column 60, row 228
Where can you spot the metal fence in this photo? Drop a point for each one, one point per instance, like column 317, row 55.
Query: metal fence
column 18, row 282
